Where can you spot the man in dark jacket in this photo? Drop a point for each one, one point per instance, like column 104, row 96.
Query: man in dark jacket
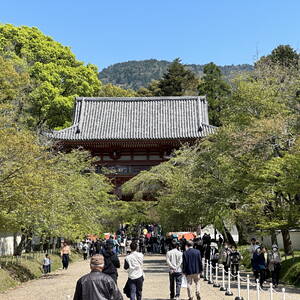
column 192, row 267
column 96, row 285
column 111, row 262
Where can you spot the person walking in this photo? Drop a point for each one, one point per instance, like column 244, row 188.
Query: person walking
column 192, row 267
column 47, row 264
column 97, row 285
column 274, row 265
column 235, row 258
column 134, row 265
column 259, row 265
column 214, row 254
column 85, row 250
column 174, row 261
column 225, row 257
column 65, row 255
column 111, row 262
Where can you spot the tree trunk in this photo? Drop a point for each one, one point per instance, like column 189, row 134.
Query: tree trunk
column 242, row 236
column 19, row 248
column 273, row 237
column 227, row 235
column 287, row 243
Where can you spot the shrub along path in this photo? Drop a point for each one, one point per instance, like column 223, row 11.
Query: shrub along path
column 61, row 284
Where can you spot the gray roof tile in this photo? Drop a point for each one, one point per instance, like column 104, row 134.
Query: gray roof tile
column 138, row 118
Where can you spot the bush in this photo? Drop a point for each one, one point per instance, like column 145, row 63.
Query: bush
column 30, row 267
column 290, row 271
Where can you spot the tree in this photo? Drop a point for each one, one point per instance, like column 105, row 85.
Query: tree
column 177, row 81
column 216, row 89
column 110, row 90
column 55, row 74
column 247, row 172
column 282, row 55
column 45, row 193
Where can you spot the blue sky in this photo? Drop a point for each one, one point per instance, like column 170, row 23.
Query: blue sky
column 104, row 32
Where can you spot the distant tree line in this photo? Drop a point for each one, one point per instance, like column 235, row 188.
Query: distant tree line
column 137, row 74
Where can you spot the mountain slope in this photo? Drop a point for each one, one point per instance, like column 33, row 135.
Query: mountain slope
column 135, row 74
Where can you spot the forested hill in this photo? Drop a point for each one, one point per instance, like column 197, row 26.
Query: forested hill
column 135, row 74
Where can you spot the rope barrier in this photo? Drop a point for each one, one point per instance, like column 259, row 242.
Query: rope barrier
column 259, row 291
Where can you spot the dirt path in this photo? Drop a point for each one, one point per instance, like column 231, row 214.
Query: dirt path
column 61, row 284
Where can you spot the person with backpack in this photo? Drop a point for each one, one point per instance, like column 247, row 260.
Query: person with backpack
column 235, row 258
column 214, row 254
column 225, row 257
column 111, row 262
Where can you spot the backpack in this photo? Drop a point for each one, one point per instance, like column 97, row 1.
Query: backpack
column 224, row 256
column 235, row 258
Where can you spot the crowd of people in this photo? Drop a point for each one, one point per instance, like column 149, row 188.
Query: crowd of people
column 185, row 258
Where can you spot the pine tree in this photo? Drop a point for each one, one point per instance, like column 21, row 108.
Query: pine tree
column 177, row 81
column 216, row 89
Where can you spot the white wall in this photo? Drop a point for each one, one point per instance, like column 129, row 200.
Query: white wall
column 7, row 243
column 295, row 238
column 210, row 229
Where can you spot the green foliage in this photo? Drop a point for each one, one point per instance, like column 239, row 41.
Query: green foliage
column 109, row 90
column 12, row 274
column 282, row 55
column 177, row 81
column 290, row 271
column 217, row 91
column 139, row 74
column 44, row 192
column 247, row 172
column 56, row 77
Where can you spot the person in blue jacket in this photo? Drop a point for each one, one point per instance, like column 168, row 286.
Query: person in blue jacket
column 192, row 267
column 259, row 265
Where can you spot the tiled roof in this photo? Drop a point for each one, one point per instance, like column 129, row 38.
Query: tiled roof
column 138, row 119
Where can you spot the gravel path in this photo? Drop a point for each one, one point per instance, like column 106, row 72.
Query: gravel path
column 61, row 284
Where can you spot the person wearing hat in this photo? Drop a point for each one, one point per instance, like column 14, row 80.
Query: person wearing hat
column 97, row 285
column 274, row 264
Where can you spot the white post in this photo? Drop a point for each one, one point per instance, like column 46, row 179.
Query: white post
column 210, row 273
column 271, row 291
column 248, row 287
column 206, row 270
column 222, row 288
column 257, row 290
column 239, row 285
column 228, row 292
column 216, row 284
column 283, row 294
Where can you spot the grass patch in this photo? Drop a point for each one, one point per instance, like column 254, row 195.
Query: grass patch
column 6, row 281
column 28, row 268
column 290, row 271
